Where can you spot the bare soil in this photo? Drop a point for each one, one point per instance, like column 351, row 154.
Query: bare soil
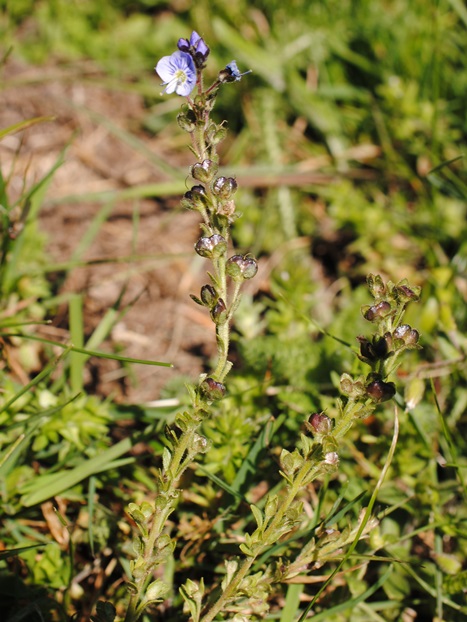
column 162, row 323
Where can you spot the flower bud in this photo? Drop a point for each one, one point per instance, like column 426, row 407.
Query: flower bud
column 224, row 187
column 219, row 312
column 211, row 247
column 196, row 47
column 187, row 120
column 241, row 267
column 377, row 312
column 319, row 424
column 407, row 334
column 227, row 209
column 212, row 389
column 380, row 391
column 231, row 73
column 204, row 171
column 208, row 295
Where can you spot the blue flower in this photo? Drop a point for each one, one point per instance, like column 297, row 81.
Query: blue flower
column 196, row 47
column 231, row 73
column 178, row 73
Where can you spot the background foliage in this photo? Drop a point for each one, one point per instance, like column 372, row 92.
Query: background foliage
column 348, row 140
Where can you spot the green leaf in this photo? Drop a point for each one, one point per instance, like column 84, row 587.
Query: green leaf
column 22, row 125
column 46, row 486
column 11, row 552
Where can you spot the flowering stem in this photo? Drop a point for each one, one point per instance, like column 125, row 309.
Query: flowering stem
column 212, row 198
column 230, row 590
column 278, row 527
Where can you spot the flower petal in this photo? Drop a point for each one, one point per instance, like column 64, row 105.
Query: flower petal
column 178, row 72
column 165, row 69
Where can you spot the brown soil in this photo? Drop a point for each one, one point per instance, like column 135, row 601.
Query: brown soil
column 163, row 323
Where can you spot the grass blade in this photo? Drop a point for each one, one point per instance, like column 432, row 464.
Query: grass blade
column 65, row 480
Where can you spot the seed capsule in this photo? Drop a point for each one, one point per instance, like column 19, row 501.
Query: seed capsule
column 378, row 311
column 219, row 312
column 406, row 293
column 380, row 391
column 241, row 267
column 195, row 198
column 212, row 389
column 187, row 121
column 204, row 171
column 211, row 247
column 224, row 187
column 208, row 295
column 320, row 424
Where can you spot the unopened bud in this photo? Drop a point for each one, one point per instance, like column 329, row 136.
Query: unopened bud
column 212, row 389
column 366, row 349
column 241, row 267
column 377, row 312
column 380, row 391
column 224, row 187
column 204, row 171
column 380, row 347
column 211, row 247
column 389, row 341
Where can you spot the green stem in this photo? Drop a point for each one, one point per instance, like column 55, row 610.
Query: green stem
column 173, row 474
column 131, row 611
column 223, row 328
column 177, row 457
column 347, row 419
column 230, row 590
column 269, row 533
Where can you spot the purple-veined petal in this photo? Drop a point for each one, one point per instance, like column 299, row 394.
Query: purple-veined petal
column 178, row 73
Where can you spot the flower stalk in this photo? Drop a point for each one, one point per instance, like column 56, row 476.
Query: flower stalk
column 317, row 456
column 212, row 197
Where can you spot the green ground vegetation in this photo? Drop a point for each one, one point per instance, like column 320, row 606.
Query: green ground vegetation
column 350, row 136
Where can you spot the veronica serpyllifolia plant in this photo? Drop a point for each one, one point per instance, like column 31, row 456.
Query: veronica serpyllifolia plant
column 212, row 195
